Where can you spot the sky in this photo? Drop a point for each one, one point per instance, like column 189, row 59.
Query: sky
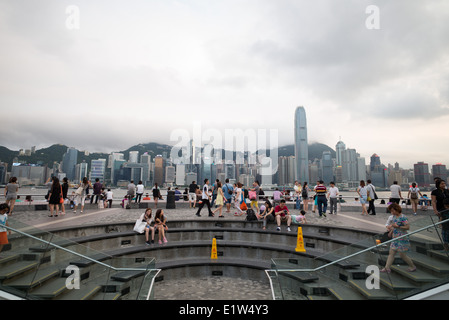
column 105, row 75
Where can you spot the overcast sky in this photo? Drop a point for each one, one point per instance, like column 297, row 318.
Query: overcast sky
column 118, row 73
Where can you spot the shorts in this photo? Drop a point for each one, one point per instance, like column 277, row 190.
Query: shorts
column 254, row 202
column 227, row 200
column 11, row 197
column 192, row 196
column 415, row 201
column 3, row 238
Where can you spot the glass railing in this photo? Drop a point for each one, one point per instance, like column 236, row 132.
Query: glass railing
column 41, row 265
column 354, row 271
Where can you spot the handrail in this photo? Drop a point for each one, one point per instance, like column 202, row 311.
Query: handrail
column 359, row 252
column 88, row 258
column 73, row 252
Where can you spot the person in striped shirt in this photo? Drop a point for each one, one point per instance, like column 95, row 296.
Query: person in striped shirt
column 321, row 192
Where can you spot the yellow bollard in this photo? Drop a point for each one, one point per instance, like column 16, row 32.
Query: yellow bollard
column 213, row 254
column 300, row 242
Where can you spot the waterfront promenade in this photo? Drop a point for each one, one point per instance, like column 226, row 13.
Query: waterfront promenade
column 205, row 288
column 349, row 215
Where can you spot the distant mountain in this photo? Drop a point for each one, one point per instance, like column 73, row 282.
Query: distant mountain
column 54, row 153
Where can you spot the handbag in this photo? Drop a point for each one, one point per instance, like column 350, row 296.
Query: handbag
column 139, row 226
column 79, row 191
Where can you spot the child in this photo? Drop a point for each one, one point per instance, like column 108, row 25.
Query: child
column 4, row 209
column 299, row 219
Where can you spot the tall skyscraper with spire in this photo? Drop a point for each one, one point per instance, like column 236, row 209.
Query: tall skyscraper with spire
column 301, row 146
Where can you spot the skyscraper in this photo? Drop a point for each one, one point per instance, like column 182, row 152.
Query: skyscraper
column 69, row 160
column 301, row 146
column 422, row 175
column 159, row 170
column 339, row 148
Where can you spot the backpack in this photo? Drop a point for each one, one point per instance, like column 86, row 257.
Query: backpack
column 252, row 195
column 250, row 215
column 413, row 194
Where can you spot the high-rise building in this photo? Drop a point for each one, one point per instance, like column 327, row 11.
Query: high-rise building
column 159, row 170
column 327, row 165
column 422, row 175
column 69, row 160
column 133, row 156
column 97, row 169
column 439, row 170
column 339, row 148
column 301, row 145
column 145, row 160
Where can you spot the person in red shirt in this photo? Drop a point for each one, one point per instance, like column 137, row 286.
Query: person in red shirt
column 282, row 214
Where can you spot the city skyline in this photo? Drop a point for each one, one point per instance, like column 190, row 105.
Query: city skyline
column 104, row 76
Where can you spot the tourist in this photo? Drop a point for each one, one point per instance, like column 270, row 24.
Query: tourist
column 198, row 194
column 298, row 190
column 185, row 195
column 81, row 194
column 372, row 196
column 299, row 219
column 305, row 196
column 177, row 194
column 65, row 191
column 255, row 197
column 438, row 195
column 131, row 190
column 148, row 227
column 55, row 197
column 228, row 191
column 424, row 202
column 205, row 199
column 109, row 197
column 239, row 200
column 413, row 193
column 11, row 190
column 332, row 194
column 97, row 191
column 156, row 194
column 398, row 225
column 4, row 209
column 277, row 196
column 267, row 214
column 192, row 195
column 139, row 191
column 219, row 200
column 445, row 226
column 321, row 201
column 160, row 224
column 363, row 194
column 315, row 198
column 282, row 215
column 396, row 195
column 214, row 192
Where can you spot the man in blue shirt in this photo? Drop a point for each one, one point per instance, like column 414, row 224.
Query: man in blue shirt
column 228, row 190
